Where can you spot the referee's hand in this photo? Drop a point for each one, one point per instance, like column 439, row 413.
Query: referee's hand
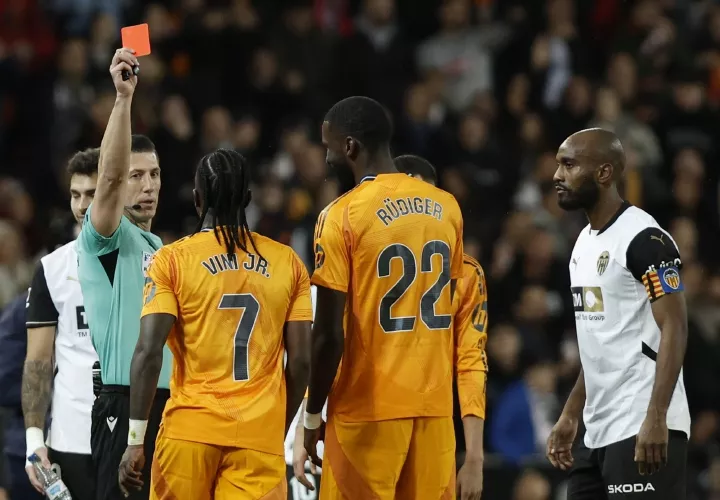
column 651, row 444
column 559, row 444
column 130, row 470
column 124, row 60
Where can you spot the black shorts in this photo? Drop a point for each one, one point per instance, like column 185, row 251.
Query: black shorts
column 108, row 440
column 77, row 472
column 610, row 473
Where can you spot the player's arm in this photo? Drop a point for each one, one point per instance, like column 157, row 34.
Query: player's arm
column 328, row 343
column 158, row 316
column 470, row 358
column 41, row 323
column 654, row 260
column 458, row 256
column 331, row 277
column 114, row 163
column 576, row 399
column 298, row 324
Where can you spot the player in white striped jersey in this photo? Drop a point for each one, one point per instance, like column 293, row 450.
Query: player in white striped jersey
column 57, row 330
column 631, row 322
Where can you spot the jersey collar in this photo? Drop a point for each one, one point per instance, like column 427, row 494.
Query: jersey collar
column 367, row 178
column 625, row 205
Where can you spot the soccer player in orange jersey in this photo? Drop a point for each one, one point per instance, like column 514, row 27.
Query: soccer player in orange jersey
column 230, row 303
column 470, row 328
column 387, row 257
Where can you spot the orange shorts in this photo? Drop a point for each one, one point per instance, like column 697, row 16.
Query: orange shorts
column 405, row 459
column 196, row 471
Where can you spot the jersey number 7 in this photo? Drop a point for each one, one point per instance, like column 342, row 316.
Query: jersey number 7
column 243, row 332
column 428, row 315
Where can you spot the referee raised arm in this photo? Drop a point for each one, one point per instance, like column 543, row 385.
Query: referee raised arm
column 631, row 325
column 115, row 248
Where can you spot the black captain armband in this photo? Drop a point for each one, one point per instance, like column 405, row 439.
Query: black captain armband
column 654, row 260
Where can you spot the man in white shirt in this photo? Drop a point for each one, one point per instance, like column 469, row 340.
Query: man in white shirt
column 60, row 355
column 631, row 324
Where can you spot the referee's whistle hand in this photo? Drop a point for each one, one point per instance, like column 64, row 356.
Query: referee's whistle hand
column 651, row 444
column 130, row 470
column 560, row 441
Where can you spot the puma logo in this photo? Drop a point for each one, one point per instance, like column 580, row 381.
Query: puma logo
column 660, row 239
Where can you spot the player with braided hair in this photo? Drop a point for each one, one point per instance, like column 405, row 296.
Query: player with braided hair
column 229, row 303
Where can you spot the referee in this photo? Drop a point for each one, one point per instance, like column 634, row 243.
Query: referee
column 57, row 330
column 631, row 325
column 115, row 248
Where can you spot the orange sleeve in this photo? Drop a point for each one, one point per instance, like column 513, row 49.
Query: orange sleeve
column 456, row 265
column 159, row 292
column 332, row 261
column 470, row 338
column 300, row 304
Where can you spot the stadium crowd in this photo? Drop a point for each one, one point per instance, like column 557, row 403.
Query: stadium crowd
column 486, row 90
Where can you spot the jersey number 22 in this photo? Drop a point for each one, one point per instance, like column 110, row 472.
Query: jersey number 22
column 428, row 315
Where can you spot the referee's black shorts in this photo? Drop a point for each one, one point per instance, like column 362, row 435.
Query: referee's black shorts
column 108, row 440
column 610, row 473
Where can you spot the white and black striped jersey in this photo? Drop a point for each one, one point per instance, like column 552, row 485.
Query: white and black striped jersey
column 615, row 274
column 55, row 299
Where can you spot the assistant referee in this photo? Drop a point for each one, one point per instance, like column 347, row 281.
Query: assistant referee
column 115, row 248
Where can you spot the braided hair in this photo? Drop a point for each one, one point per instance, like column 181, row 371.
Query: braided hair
column 223, row 182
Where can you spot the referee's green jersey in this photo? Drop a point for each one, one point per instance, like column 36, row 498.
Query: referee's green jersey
column 112, row 275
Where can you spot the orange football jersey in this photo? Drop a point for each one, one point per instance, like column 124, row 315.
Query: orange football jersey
column 470, row 338
column 228, row 387
column 393, row 244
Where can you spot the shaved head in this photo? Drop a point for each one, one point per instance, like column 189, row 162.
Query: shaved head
column 601, row 145
column 589, row 162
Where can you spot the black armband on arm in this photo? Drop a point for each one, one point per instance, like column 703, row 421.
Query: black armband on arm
column 654, row 260
column 40, row 307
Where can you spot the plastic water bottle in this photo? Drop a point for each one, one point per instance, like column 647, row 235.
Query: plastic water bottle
column 55, row 489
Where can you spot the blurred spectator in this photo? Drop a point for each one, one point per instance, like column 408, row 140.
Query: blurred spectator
column 13, row 344
column 461, row 53
column 525, row 413
column 531, row 485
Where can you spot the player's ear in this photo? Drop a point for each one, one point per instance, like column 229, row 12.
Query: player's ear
column 352, row 147
column 605, row 173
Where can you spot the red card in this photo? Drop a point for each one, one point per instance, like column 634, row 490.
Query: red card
column 137, row 38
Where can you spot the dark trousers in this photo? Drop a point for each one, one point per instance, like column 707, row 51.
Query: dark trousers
column 77, row 472
column 610, row 473
column 110, row 420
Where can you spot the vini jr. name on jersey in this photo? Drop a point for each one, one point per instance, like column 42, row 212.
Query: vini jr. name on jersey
column 223, row 262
